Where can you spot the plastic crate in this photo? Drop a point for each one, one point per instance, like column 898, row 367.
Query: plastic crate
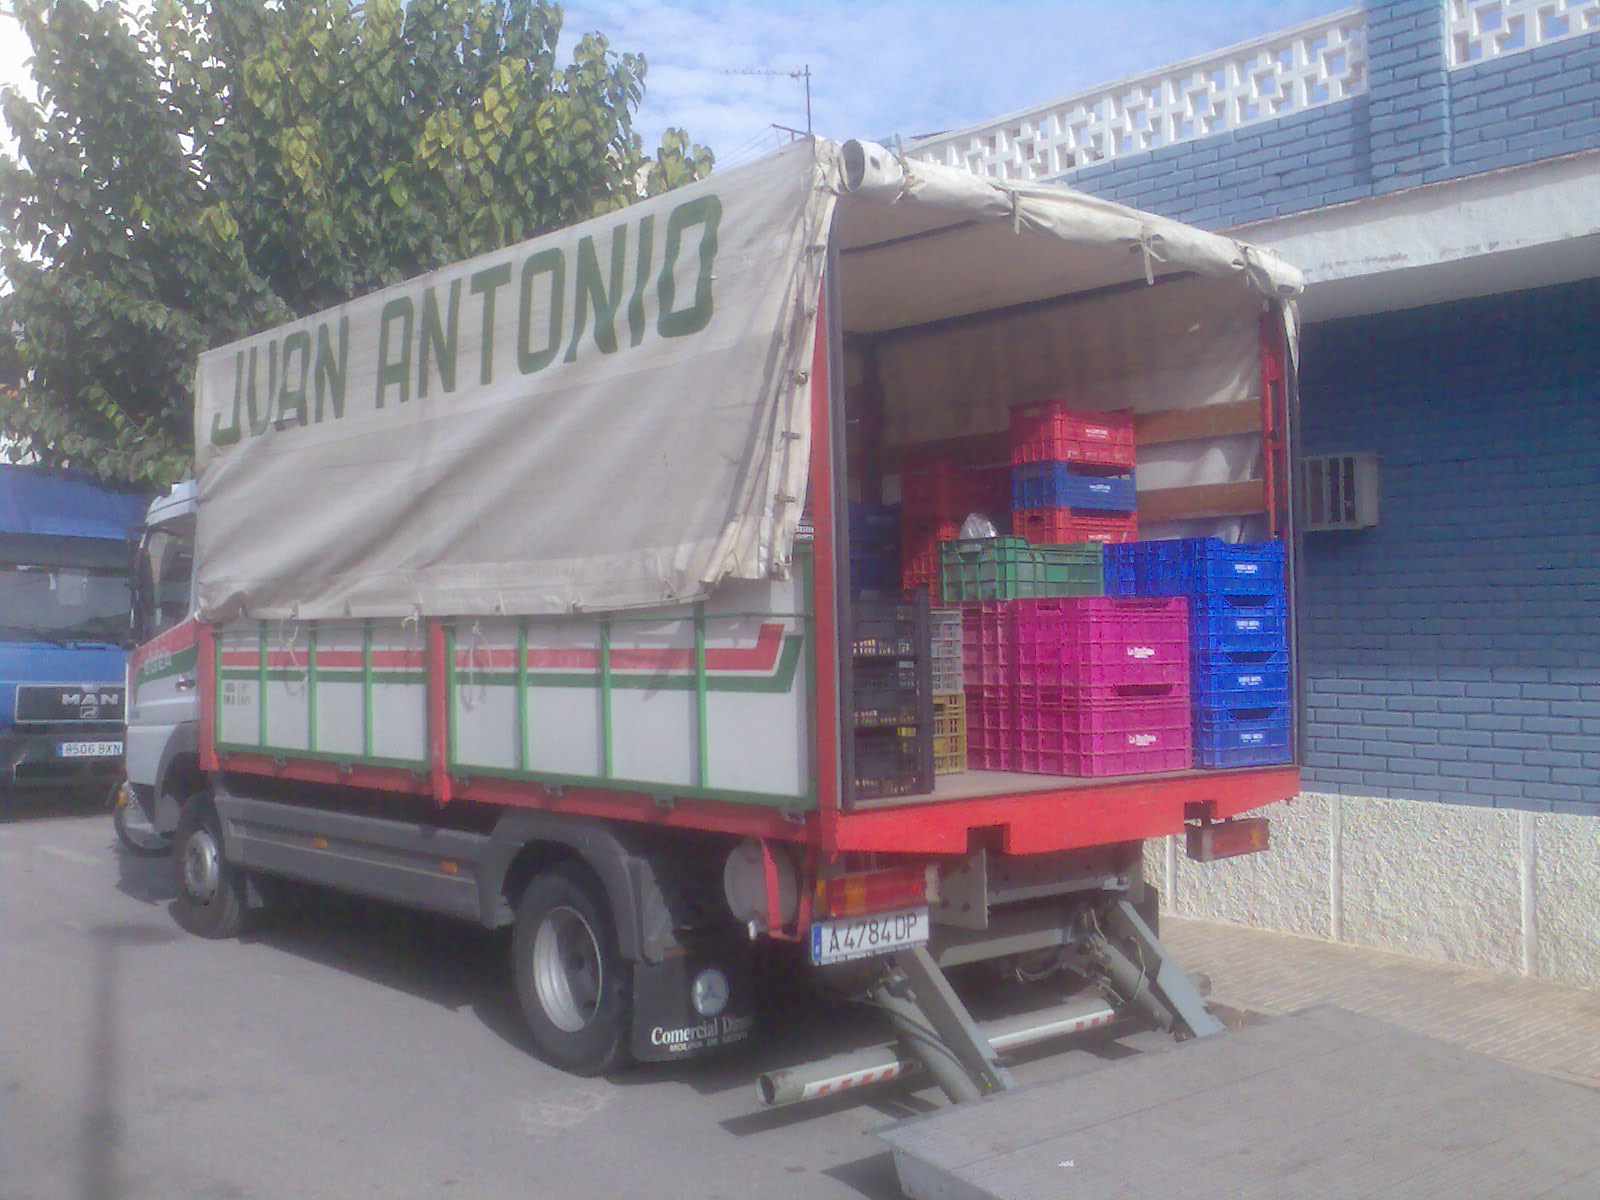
column 1198, row 567
column 946, row 639
column 989, row 491
column 1059, row 526
column 1244, row 737
column 1125, row 737
column 1069, row 485
column 889, row 628
column 919, row 552
column 891, row 762
column 888, row 692
column 875, row 526
column 1230, row 685
column 1266, row 617
column 874, row 570
column 1050, row 431
column 1006, row 568
column 991, row 713
column 949, row 734
column 1102, row 646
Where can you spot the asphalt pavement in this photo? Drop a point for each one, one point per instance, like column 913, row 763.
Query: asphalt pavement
column 352, row 1049
column 358, row 1050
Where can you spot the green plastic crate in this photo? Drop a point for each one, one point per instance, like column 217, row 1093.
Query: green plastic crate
column 1008, row 568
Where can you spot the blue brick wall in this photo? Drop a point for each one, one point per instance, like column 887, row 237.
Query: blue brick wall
column 1417, row 123
column 1453, row 652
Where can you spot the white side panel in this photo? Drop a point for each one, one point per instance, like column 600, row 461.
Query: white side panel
column 653, row 735
column 339, row 718
column 485, row 725
column 564, row 731
column 760, row 742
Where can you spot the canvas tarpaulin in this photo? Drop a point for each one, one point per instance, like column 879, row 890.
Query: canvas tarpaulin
column 615, row 415
column 608, row 416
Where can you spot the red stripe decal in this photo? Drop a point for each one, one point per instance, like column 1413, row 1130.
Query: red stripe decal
column 179, row 637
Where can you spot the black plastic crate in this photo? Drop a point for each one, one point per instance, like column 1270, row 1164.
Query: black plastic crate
column 891, row 692
column 889, row 628
column 892, row 762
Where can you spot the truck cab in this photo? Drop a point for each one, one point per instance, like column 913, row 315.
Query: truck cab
column 63, row 621
column 163, row 704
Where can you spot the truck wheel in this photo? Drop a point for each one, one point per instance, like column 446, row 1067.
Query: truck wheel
column 211, row 901
column 573, row 984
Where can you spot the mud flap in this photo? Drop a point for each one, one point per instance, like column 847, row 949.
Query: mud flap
column 666, row 1024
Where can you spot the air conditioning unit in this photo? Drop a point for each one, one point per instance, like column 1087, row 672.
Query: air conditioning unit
column 1339, row 491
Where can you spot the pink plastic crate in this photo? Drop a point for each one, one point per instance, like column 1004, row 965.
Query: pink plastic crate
column 1130, row 737
column 1104, row 648
column 991, row 727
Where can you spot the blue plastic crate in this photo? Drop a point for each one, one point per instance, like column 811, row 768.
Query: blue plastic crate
column 1226, row 616
column 1059, row 485
column 874, row 570
column 1246, row 737
column 1214, row 567
column 1240, row 687
column 1195, row 567
column 874, row 525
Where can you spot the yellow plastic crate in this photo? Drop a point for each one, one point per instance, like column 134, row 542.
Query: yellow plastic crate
column 949, row 734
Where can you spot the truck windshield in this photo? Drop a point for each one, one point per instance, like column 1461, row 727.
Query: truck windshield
column 62, row 604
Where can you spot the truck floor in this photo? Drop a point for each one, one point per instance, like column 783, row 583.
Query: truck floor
column 1320, row 1105
column 967, row 785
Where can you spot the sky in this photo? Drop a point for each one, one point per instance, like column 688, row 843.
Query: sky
column 878, row 67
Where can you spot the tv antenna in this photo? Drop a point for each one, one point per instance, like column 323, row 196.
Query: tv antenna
column 803, row 74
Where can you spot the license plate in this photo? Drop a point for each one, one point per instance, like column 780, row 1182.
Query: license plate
column 862, row 937
column 89, row 749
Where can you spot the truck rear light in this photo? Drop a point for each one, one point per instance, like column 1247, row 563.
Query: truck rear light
column 874, row 891
column 1226, row 839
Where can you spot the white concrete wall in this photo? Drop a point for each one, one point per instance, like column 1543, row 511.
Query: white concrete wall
column 1510, row 891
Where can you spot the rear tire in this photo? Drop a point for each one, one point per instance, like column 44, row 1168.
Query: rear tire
column 211, row 891
column 573, row 984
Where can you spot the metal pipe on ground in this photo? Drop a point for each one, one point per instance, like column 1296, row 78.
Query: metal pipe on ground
column 878, row 1064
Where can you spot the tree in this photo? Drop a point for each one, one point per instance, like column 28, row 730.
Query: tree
column 198, row 170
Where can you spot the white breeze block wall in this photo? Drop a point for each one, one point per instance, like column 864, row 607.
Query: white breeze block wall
column 1509, row 891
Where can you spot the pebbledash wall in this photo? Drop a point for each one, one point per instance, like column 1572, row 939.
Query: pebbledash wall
column 1451, row 653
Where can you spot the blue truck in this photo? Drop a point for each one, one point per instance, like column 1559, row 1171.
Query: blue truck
column 64, row 603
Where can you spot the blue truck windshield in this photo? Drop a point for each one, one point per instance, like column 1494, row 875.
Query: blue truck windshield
column 63, row 604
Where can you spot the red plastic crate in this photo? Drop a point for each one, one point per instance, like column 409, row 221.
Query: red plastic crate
column 919, row 553
column 989, row 491
column 1049, row 431
column 1062, row 526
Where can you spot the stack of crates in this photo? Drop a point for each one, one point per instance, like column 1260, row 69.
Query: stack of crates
column 935, row 499
column 874, row 548
column 1072, row 474
column 1010, row 568
column 949, row 695
column 933, row 503
column 988, row 660
column 891, row 693
column 1239, row 634
column 1103, row 686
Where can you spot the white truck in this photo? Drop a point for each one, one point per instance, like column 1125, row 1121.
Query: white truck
column 521, row 593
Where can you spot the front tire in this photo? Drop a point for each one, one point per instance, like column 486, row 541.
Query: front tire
column 572, row 982
column 211, row 891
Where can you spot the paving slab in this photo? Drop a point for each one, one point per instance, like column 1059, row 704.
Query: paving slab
column 1324, row 1104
